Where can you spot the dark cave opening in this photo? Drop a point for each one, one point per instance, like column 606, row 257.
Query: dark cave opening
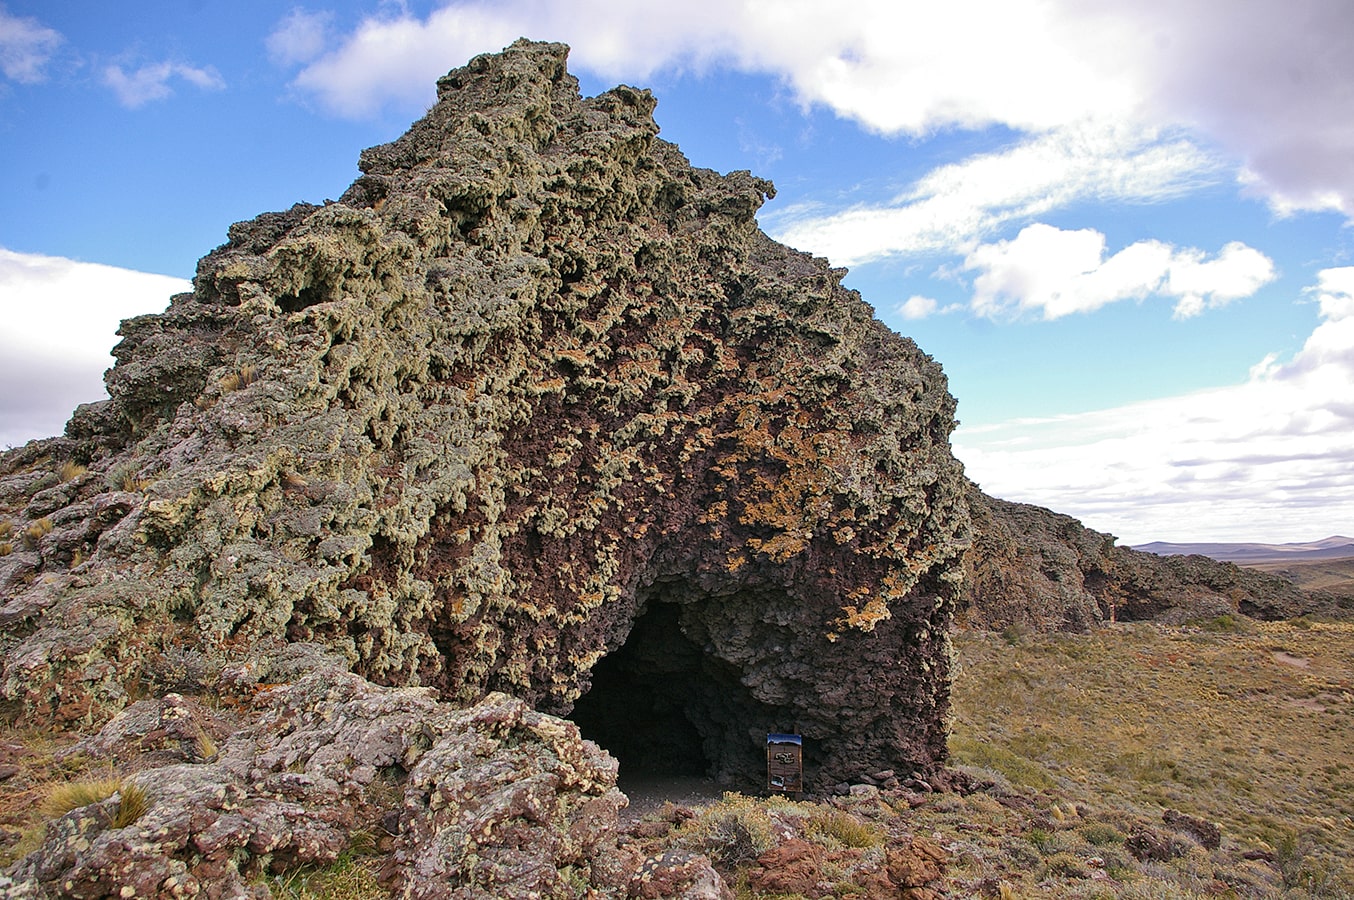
column 666, row 708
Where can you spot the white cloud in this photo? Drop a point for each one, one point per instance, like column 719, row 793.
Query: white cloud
column 1271, row 459
column 398, row 59
column 61, row 319
column 1057, row 273
column 1267, row 81
column 26, row 46
column 955, row 205
column 918, row 307
column 299, row 38
column 1201, row 283
column 152, row 81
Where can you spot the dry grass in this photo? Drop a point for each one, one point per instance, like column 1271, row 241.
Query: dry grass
column 242, row 377
column 125, row 476
column 349, row 878
column 63, row 798
column 1335, row 575
column 733, row 832
column 36, row 531
column 70, row 470
column 1250, row 729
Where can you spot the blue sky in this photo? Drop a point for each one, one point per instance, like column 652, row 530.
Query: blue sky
column 1122, row 228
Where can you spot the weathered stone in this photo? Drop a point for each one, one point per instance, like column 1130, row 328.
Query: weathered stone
column 794, row 867
column 496, row 800
column 680, row 875
column 1207, row 833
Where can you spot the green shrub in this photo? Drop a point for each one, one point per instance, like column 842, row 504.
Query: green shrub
column 1101, row 833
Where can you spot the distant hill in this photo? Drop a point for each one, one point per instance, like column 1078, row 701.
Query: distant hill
column 1335, row 547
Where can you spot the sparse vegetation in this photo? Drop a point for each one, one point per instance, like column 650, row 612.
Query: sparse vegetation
column 36, row 531
column 241, row 378
column 835, row 826
column 125, row 476
column 70, row 470
column 733, row 832
column 132, row 799
column 350, row 877
column 1241, row 723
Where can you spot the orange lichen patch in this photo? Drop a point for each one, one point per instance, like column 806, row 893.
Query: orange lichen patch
column 793, row 501
column 549, row 386
column 578, row 356
column 714, row 512
column 867, row 617
column 876, row 606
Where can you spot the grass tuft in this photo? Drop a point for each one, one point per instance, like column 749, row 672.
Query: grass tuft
column 241, row 378
column 732, row 832
column 125, row 477
column 838, row 826
column 36, row 531
column 132, row 800
column 70, row 470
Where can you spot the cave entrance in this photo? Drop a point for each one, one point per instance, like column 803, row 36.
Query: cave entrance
column 668, row 709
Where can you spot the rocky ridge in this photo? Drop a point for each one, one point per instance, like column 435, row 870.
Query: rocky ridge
column 1034, row 568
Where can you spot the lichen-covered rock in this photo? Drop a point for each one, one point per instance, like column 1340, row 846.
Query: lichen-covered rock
column 495, row 800
column 678, row 875
column 1031, row 567
column 531, row 381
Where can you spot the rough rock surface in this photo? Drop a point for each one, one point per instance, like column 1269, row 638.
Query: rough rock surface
column 1031, row 567
column 532, row 385
column 490, row 801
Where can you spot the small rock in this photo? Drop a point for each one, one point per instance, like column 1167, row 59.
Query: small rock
column 1206, row 833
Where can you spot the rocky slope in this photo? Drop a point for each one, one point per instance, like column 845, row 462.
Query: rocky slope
column 1034, row 568
column 533, row 395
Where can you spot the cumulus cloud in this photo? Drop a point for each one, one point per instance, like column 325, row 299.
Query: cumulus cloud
column 1267, row 81
column 918, row 307
column 152, row 81
column 299, row 38
column 61, row 319
column 26, row 46
column 955, row 205
column 1056, row 272
column 1211, row 465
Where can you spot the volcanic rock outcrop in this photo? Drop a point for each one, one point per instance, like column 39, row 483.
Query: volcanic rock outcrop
column 1031, row 567
column 534, row 408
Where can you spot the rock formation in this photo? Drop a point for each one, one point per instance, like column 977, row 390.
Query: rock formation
column 491, row 800
column 1031, row 567
column 534, row 408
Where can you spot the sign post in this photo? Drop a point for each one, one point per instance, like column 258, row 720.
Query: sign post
column 785, row 763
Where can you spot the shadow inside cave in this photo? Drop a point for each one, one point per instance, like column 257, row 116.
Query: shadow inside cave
column 671, row 711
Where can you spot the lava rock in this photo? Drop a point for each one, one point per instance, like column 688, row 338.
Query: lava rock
column 534, row 385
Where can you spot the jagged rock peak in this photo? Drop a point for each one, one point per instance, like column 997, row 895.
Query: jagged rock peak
column 535, row 407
